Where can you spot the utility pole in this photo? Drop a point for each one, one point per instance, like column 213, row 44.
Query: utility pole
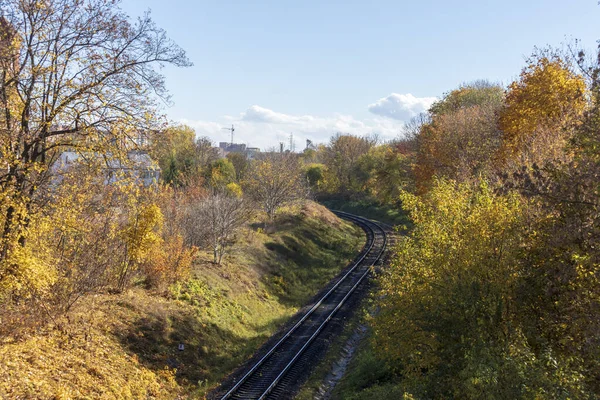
column 232, row 129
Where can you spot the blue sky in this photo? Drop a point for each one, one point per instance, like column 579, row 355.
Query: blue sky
column 317, row 67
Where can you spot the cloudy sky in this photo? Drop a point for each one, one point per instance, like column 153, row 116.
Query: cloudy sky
column 317, row 67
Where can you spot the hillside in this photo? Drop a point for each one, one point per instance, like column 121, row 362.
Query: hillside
column 127, row 347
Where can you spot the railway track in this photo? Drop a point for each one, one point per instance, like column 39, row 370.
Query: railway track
column 275, row 373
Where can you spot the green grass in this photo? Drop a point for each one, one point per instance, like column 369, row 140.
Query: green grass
column 369, row 209
column 367, row 377
column 230, row 310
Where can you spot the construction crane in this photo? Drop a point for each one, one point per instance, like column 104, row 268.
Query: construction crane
column 232, row 129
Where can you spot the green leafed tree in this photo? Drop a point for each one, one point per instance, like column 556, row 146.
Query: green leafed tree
column 341, row 158
column 220, row 173
column 175, row 152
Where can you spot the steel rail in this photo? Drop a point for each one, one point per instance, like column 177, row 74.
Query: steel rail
column 363, row 222
column 320, row 328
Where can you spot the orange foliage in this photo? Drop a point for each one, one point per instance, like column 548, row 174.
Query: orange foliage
column 547, row 98
column 170, row 262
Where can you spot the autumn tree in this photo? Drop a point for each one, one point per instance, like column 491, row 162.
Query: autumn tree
column 181, row 157
column 385, row 172
column 563, row 291
column 175, row 152
column 494, row 293
column 274, row 180
column 73, row 248
column 454, row 323
column 141, row 235
column 341, row 157
column 461, row 138
column 541, row 107
column 170, row 260
column 220, row 174
column 75, row 74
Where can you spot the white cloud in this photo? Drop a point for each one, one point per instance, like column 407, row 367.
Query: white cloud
column 401, row 106
column 261, row 114
column 265, row 128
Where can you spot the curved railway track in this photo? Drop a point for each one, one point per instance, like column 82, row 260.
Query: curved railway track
column 272, row 376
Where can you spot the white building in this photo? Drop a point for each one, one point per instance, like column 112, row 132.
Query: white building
column 138, row 166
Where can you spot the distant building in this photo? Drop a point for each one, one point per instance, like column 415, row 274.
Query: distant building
column 140, row 167
column 232, row 147
column 226, row 148
column 252, row 152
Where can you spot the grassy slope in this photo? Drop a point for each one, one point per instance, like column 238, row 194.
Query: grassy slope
column 127, row 347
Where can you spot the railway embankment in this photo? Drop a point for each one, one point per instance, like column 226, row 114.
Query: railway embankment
column 182, row 342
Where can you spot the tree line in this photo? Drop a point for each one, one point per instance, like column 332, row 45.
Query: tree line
column 494, row 291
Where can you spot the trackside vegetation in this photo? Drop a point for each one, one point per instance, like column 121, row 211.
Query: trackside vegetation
column 493, row 292
column 126, row 345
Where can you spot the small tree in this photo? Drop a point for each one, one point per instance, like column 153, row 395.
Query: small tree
column 275, row 180
column 175, row 151
column 460, row 137
column 141, row 235
column 218, row 217
column 314, row 175
column 220, row 174
column 240, row 162
column 341, row 158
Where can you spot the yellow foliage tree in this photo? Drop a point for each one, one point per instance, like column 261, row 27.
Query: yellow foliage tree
column 141, row 235
column 452, row 323
column 540, row 108
column 68, row 88
column 169, row 262
column 234, row 189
